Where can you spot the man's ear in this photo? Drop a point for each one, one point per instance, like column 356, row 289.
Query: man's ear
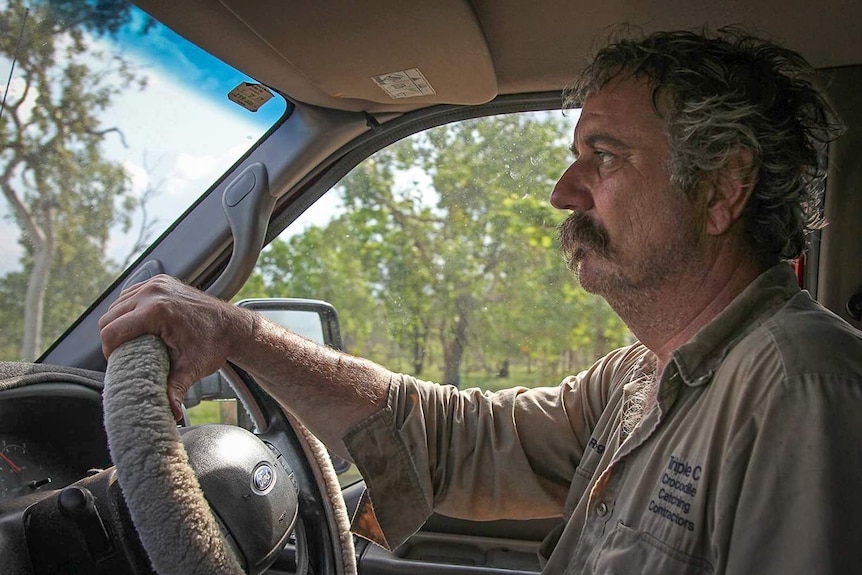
column 729, row 191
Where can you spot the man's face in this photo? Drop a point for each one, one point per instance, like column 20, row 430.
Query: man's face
column 629, row 230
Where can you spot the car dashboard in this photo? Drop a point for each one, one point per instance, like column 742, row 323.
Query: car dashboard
column 51, row 435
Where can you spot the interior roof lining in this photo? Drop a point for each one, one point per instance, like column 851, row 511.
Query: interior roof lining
column 507, row 46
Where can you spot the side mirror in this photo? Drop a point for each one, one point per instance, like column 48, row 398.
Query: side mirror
column 314, row 319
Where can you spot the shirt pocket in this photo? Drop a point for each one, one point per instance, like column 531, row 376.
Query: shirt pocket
column 628, row 550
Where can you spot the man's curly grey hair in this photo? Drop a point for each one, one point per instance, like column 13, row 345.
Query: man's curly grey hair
column 729, row 92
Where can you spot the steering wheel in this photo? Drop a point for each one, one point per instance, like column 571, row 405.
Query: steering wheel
column 213, row 500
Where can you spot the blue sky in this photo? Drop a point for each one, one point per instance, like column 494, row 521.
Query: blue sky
column 179, row 134
column 187, row 64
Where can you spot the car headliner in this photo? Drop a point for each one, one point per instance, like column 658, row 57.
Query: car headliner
column 326, row 52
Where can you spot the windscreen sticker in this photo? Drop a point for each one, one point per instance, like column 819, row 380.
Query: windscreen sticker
column 404, row 84
column 250, row 96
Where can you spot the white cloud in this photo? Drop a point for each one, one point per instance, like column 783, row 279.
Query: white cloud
column 139, row 176
column 194, row 167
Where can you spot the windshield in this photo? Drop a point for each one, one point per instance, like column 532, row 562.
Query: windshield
column 112, row 126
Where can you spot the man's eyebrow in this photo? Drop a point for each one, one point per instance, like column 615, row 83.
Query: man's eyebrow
column 600, row 139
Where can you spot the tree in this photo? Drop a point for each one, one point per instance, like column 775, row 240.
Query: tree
column 459, row 263
column 312, row 265
column 497, row 230
column 63, row 193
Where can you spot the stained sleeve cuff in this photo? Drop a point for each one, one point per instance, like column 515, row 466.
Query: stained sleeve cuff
column 394, row 505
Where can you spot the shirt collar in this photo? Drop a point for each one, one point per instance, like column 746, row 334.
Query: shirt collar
column 699, row 358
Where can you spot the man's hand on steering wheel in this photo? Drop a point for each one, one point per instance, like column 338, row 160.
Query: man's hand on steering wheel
column 198, row 330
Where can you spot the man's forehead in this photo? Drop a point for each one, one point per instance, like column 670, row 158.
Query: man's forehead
column 622, row 108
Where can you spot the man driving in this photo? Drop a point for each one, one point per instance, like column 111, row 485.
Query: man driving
column 724, row 440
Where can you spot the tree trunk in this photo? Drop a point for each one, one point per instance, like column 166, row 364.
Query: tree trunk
column 453, row 349
column 419, row 338
column 34, row 300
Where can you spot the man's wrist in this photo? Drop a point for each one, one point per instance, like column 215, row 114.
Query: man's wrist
column 242, row 330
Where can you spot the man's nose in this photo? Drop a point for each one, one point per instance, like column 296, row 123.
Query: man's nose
column 572, row 191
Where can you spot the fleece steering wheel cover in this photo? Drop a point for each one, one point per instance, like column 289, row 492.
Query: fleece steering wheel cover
column 165, row 500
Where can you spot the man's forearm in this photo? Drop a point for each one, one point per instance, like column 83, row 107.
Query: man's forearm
column 327, row 390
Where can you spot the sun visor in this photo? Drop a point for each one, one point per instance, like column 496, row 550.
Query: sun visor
column 374, row 55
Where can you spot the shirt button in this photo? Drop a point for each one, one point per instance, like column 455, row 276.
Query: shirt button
column 602, row 509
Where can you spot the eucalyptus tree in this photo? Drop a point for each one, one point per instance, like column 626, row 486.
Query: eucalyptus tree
column 61, row 190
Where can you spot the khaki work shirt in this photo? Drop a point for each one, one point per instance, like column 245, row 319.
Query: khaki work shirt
column 749, row 462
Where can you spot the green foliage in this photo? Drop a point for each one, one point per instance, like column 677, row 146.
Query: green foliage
column 62, row 192
column 443, row 260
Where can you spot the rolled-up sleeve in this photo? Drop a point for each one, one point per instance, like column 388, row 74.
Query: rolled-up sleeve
column 472, row 454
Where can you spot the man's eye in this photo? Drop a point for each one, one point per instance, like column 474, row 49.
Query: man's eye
column 603, row 156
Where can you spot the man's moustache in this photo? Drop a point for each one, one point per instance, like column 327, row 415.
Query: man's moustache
column 579, row 233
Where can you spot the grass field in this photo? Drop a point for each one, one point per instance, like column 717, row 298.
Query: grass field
column 205, row 412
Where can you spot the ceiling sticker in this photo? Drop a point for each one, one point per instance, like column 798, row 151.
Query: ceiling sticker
column 250, row 96
column 404, row 84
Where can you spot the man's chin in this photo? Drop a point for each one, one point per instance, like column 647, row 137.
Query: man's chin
column 595, row 274
column 592, row 270
column 585, row 271
column 588, row 284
